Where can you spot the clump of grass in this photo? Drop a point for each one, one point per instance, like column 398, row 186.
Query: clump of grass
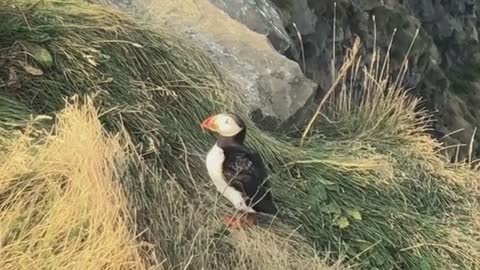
column 368, row 109
column 61, row 207
column 367, row 184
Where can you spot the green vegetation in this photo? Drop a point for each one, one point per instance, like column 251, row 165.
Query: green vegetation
column 367, row 189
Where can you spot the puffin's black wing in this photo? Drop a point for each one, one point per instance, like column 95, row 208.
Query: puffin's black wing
column 244, row 170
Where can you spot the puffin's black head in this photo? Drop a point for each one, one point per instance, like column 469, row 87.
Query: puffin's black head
column 226, row 125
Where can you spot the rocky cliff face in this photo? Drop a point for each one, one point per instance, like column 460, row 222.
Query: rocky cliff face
column 444, row 63
column 280, row 51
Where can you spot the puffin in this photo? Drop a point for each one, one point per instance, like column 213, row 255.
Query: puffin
column 237, row 171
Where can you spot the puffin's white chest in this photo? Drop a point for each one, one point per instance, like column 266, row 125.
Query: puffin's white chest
column 214, row 163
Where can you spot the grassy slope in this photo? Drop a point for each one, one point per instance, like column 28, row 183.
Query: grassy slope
column 367, row 183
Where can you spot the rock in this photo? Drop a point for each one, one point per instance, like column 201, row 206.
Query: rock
column 300, row 8
column 273, row 87
column 260, row 16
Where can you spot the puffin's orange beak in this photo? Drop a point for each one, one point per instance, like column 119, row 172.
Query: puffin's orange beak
column 210, row 123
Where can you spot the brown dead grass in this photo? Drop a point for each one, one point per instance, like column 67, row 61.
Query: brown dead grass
column 60, row 207
column 272, row 252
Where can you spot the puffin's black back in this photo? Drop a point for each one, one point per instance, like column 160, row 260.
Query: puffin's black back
column 244, row 170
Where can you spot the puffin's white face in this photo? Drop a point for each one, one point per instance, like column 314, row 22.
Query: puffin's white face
column 223, row 124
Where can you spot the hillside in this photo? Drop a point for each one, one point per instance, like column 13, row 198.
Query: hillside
column 102, row 159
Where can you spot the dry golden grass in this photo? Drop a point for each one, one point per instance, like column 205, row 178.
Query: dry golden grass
column 60, row 207
column 269, row 251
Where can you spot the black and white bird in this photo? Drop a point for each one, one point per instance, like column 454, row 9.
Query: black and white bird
column 237, row 172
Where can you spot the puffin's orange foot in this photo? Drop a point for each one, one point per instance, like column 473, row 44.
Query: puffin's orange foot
column 232, row 222
column 237, row 222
